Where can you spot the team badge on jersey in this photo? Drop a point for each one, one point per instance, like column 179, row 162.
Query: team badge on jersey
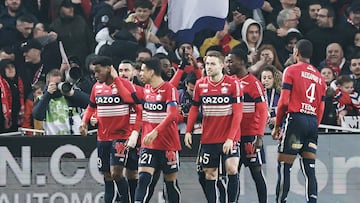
column 224, row 90
column 171, row 157
column 205, row 90
column 158, row 97
column 114, row 90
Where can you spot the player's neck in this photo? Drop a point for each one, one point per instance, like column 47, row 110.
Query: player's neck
column 242, row 73
column 216, row 78
column 109, row 81
column 303, row 60
column 156, row 82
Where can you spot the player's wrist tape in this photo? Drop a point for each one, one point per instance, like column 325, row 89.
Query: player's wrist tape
column 133, row 139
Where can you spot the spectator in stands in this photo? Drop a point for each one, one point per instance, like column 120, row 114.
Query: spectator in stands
column 187, row 55
column 29, row 122
column 142, row 55
column 286, row 20
column 101, row 14
column 346, row 100
column 40, row 9
column 355, row 70
column 329, row 117
column 141, row 17
column 292, row 36
column 12, row 97
column 125, row 45
column 277, row 8
column 354, row 48
column 271, row 78
column 33, row 70
column 308, row 16
column 24, row 28
column 185, row 97
column 222, row 38
column 335, row 60
column 8, row 24
column 324, row 34
column 352, row 24
column 252, row 35
column 50, row 54
column 168, row 45
column 73, row 31
column 237, row 15
column 7, row 53
column 106, row 36
column 328, row 75
column 81, row 8
column 60, row 110
column 266, row 55
column 87, row 79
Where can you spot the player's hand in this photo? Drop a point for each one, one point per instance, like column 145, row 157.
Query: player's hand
column 113, row 72
column 227, row 146
column 93, row 120
column 150, row 137
column 83, row 128
column 258, row 142
column 276, row 133
column 188, row 140
column 131, row 143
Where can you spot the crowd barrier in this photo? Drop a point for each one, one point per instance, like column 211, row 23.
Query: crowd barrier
column 64, row 169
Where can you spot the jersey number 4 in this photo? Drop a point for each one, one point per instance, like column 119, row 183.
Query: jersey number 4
column 310, row 92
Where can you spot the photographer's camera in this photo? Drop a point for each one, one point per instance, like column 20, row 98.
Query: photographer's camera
column 64, row 87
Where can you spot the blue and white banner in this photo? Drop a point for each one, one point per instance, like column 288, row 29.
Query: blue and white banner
column 186, row 17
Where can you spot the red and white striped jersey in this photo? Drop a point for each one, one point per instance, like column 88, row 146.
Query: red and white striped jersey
column 216, row 100
column 155, row 104
column 112, row 112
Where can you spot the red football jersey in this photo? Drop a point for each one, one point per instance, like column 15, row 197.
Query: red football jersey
column 112, row 112
column 216, row 100
column 307, row 88
column 253, row 91
column 155, row 104
column 132, row 121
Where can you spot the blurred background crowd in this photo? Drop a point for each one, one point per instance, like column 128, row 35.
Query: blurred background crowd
column 47, row 42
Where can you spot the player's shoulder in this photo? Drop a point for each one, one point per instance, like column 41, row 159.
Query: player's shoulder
column 138, row 88
column 167, row 85
column 126, row 83
column 202, row 82
column 252, row 78
column 230, row 79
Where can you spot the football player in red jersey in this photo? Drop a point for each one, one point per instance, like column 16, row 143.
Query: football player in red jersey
column 109, row 100
column 253, row 124
column 160, row 141
column 300, row 110
column 219, row 96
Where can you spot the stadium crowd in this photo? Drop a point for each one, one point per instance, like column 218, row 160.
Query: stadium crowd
column 124, row 30
column 60, row 57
